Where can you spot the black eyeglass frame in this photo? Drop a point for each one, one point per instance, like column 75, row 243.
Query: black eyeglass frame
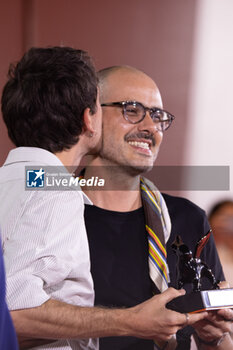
column 124, row 104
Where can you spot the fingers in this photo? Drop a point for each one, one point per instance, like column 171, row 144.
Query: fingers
column 216, row 324
column 226, row 314
column 209, row 331
column 223, row 285
column 170, row 294
column 181, row 320
column 190, row 319
column 193, row 318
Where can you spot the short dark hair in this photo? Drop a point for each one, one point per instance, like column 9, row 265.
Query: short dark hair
column 45, row 97
column 218, row 207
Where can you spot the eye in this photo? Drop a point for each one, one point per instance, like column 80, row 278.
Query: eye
column 132, row 110
column 158, row 115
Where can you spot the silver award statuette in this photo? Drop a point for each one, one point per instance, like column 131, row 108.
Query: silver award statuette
column 191, row 270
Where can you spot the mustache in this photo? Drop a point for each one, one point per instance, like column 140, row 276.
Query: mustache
column 140, row 135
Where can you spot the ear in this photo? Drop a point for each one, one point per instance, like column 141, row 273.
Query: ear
column 88, row 121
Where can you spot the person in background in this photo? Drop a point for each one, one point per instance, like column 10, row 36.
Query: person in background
column 221, row 222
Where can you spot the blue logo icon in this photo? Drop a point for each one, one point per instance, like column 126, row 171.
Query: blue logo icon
column 35, row 178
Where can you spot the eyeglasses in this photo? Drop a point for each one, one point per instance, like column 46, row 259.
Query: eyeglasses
column 134, row 112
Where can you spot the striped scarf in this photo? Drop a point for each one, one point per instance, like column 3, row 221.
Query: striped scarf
column 158, row 227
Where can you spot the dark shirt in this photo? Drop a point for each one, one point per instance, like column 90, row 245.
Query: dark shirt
column 8, row 340
column 119, row 265
column 119, row 259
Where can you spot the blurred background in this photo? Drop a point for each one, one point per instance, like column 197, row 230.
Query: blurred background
column 186, row 46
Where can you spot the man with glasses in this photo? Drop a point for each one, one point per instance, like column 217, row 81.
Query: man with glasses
column 129, row 226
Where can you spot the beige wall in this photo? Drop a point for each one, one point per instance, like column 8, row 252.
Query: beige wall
column 153, row 35
column 209, row 132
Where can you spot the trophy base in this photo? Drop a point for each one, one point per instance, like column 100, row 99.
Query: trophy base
column 201, row 301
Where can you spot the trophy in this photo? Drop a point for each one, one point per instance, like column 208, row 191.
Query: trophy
column 191, row 270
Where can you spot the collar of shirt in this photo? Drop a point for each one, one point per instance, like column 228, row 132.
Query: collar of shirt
column 38, row 155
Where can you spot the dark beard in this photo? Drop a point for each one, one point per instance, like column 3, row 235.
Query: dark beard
column 136, row 170
column 131, row 170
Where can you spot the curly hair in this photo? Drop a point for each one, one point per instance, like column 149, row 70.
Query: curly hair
column 45, row 97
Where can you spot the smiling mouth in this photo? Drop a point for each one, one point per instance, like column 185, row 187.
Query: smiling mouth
column 141, row 144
